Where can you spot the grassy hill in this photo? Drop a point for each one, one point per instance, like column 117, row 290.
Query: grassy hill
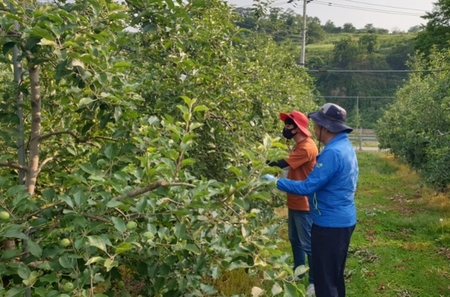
column 376, row 90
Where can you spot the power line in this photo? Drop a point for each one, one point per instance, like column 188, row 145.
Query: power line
column 405, row 13
column 367, row 9
column 379, row 5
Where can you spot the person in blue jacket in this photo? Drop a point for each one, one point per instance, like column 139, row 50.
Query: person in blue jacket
column 330, row 188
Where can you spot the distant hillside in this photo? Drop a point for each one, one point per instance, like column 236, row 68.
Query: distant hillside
column 346, row 49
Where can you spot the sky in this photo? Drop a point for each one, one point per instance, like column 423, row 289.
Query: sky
column 393, row 15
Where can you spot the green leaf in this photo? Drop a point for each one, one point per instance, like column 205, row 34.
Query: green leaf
column 45, row 41
column 49, row 194
column 97, row 241
column 183, row 109
column 85, row 101
column 186, row 100
column 118, row 16
column 290, row 290
column 34, row 248
column 117, row 113
column 192, row 248
column 123, row 247
column 208, row 289
column 186, row 162
column 141, row 204
column 80, row 198
column 111, row 151
column 23, row 271
column 7, row 47
column 13, row 232
column 20, row 198
column 257, row 291
column 88, row 168
column 216, row 272
column 110, row 264
column 265, row 196
column 39, row 32
column 34, row 275
column 119, row 224
column 66, row 199
column 9, row 254
column 201, row 108
column 194, row 126
column 113, row 203
column 66, row 262
column 16, row 189
column 170, row 4
column 276, row 289
column 153, row 120
column 95, row 260
column 121, row 64
column 300, row 270
column 15, row 292
column 49, row 278
column 180, row 230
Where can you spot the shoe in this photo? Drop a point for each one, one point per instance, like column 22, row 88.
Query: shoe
column 310, row 291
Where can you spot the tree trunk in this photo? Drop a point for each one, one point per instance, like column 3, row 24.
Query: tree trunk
column 33, row 162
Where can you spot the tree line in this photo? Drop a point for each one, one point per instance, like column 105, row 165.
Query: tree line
column 408, row 111
column 341, row 48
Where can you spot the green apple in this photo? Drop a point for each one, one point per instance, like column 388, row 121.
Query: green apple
column 121, row 284
column 64, row 242
column 148, row 235
column 131, row 225
column 68, row 287
column 4, row 215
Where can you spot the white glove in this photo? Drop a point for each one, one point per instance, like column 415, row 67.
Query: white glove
column 269, row 177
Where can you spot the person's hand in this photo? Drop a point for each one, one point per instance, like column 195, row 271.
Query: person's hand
column 269, row 177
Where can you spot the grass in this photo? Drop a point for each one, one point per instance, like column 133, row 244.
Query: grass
column 401, row 244
column 363, row 144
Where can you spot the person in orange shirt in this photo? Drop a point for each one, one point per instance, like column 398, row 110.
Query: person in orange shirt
column 300, row 163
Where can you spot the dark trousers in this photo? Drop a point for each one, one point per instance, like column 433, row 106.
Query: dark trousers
column 329, row 252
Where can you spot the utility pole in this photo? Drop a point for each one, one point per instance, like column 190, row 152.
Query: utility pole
column 302, row 57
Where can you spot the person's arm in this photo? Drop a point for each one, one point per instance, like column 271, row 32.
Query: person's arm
column 323, row 171
column 280, row 163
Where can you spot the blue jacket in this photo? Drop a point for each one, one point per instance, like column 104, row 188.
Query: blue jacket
column 331, row 185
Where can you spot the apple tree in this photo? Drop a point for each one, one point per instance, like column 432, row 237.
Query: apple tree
column 120, row 130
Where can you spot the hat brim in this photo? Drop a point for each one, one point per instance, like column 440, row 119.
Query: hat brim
column 332, row 126
column 284, row 116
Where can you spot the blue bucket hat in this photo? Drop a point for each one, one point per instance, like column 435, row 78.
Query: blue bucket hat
column 332, row 117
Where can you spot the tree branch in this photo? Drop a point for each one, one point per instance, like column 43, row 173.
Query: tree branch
column 442, row 134
column 143, row 190
column 151, row 187
column 44, row 162
column 42, row 209
column 77, row 139
column 13, row 165
column 95, row 218
column 48, row 135
column 179, row 185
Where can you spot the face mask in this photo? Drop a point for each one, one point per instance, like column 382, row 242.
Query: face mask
column 287, row 133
